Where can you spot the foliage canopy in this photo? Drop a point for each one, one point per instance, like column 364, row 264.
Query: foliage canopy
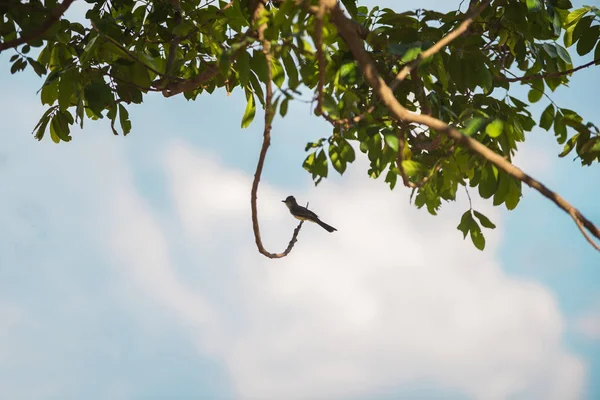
column 447, row 116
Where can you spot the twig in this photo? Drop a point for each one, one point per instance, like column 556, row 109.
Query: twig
column 269, row 112
column 55, row 15
column 577, row 217
column 550, row 74
column 439, row 45
column 400, row 113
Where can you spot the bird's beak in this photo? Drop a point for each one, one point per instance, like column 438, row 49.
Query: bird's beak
column 283, row 201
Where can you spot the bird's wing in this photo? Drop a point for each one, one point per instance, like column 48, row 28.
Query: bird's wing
column 305, row 212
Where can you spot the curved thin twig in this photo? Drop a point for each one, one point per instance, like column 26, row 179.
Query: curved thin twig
column 55, row 15
column 386, row 94
column 551, row 74
column 269, row 112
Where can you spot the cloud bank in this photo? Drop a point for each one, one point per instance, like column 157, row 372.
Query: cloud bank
column 394, row 297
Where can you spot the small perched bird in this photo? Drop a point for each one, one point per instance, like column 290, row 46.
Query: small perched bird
column 304, row 214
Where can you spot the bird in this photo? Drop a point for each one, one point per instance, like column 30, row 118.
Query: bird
column 304, row 214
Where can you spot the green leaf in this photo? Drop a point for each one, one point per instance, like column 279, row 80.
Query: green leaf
column 249, row 112
column 18, row 65
column 42, row 124
column 560, row 128
column 320, row 166
column 225, row 63
column 412, row 168
column 290, row 69
column 66, row 88
column 442, row 75
column 37, row 67
column 98, row 96
column 474, row 125
column 588, row 40
column 411, row 54
column 330, row 106
column 59, row 127
column 575, row 15
column 570, row 145
column 243, row 67
column 258, row 64
column 284, row 107
column 477, row 236
column 89, row 50
column 502, row 189
column 124, row 120
column 533, row 5
column 309, row 162
column 347, row 151
column 338, row 163
column 563, row 54
column 485, row 79
column 495, row 128
column 485, row 222
column 514, row 194
column 255, row 84
column 391, row 178
column 350, row 6
column 277, row 72
column 183, row 28
column 547, row 117
column 392, row 140
column 465, row 223
column 537, row 90
column 50, row 93
column 53, row 128
column 568, row 36
column 488, row 183
column 581, row 27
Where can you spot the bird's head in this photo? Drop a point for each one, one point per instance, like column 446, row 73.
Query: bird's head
column 289, row 200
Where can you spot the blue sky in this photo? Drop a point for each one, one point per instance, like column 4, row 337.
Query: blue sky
column 128, row 268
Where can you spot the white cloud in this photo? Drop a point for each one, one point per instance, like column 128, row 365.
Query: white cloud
column 588, row 324
column 394, row 296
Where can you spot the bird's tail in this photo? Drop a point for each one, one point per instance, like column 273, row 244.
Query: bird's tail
column 323, row 225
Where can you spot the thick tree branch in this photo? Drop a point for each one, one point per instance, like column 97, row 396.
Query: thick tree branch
column 184, row 85
column 194, row 83
column 269, row 112
column 550, row 74
column 386, row 95
column 54, row 16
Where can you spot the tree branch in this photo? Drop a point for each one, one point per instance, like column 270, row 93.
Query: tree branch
column 439, row 45
column 269, row 112
column 386, row 95
column 551, row 74
column 55, row 15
